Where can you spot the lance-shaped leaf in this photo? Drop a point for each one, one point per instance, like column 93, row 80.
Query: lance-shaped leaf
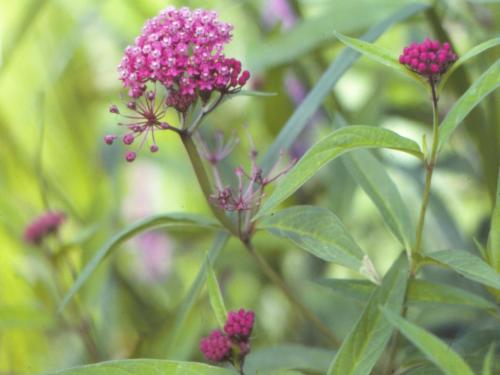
column 163, row 220
column 487, row 83
column 468, row 265
column 378, row 54
column 146, row 366
column 378, row 185
column 494, row 237
column 436, row 350
column 473, row 52
column 215, row 295
column 363, row 346
column 318, row 231
column 326, row 83
column 337, row 143
column 420, row 292
column 489, row 361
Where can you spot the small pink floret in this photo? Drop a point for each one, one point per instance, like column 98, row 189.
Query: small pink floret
column 130, row 156
column 108, row 139
column 128, row 139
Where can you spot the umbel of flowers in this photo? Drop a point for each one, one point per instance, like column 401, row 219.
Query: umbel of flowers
column 232, row 344
column 177, row 61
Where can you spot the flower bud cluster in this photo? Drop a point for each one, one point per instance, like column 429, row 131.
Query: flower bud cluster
column 145, row 118
column 43, row 226
column 233, row 342
column 429, row 58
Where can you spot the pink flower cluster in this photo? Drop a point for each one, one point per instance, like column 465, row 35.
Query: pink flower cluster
column 42, row 226
column 218, row 346
column 183, row 50
column 429, row 58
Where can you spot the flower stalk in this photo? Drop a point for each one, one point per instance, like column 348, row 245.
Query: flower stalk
column 430, row 163
column 245, row 238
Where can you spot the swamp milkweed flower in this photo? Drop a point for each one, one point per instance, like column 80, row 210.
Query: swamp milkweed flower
column 181, row 52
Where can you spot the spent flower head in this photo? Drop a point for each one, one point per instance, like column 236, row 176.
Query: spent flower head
column 429, row 58
column 43, row 226
column 248, row 193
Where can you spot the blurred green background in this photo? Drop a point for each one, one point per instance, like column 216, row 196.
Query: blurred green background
column 57, row 79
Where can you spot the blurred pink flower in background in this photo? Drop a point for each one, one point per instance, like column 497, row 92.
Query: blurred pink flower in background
column 276, row 11
column 154, row 248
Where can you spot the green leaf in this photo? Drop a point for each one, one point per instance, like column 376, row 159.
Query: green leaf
column 378, row 54
column 337, row 143
column 363, row 346
column 145, row 367
column 215, row 295
column 264, row 360
column 483, row 86
column 419, row 292
column 328, row 80
column 359, row 290
column 371, row 175
column 489, row 361
column 187, row 304
column 318, row 231
column 162, row 220
column 473, row 52
column 494, row 237
column 423, row 291
column 467, row 265
column 436, row 350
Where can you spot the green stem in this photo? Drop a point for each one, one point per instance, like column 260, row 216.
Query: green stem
column 430, row 163
column 204, row 182
column 83, row 327
column 205, row 185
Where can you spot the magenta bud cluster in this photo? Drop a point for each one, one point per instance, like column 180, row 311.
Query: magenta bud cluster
column 42, row 226
column 222, row 346
column 239, row 323
column 429, row 58
column 216, row 347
